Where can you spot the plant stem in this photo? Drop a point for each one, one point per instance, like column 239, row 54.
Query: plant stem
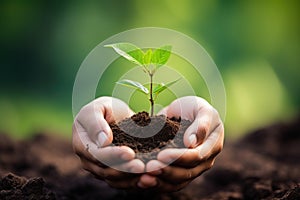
column 151, row 97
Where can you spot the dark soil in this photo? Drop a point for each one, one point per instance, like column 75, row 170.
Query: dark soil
column 262, row 165
column 147, row 136
column 15, row 187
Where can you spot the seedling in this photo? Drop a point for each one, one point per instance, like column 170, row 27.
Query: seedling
column 150, row 61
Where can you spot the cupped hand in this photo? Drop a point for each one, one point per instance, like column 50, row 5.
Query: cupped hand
column 92, row 136
column 175, row 168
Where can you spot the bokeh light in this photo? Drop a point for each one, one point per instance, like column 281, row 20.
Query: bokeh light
column 255, row 44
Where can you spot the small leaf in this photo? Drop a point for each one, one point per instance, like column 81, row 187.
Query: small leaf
column 161, row 55
column 161, row 87
column 128, row 51
column 147, row 57
column 133, row 84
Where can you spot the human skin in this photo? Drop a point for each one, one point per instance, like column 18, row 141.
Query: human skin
column 173, row 169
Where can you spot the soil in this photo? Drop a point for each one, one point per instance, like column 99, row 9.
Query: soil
column 262, row 165
column 147, row 136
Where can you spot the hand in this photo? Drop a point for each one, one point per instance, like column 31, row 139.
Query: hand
column 91, row 136
column 204, row 139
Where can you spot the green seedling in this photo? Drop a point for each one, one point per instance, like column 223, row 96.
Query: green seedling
column 150, row 61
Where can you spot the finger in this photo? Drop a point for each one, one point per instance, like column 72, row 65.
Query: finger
column 205, row 121
column 113, row 173
column 172, row 178
column 178, row 175
column 191, row 157
column 154, row 167
column 122, row 171
column 135, row 166
column 181, row 157
column 213, row 144
column 111, row 155
column 147, row 181
column 195, row 133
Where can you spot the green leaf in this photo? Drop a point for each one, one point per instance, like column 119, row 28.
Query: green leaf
column 128, row 51
column 161, row 87
column 147, row 57
column 161, row 55
column 133, row 84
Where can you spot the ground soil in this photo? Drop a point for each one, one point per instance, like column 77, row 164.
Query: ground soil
column 262, row 165
column 147, row 136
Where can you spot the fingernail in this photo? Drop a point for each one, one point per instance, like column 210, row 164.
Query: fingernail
column 102, row 138
column 193, row 140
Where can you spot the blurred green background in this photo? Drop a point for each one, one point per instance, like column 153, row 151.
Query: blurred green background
column 255, row 44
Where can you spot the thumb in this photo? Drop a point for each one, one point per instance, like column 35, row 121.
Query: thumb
column 104, row 136
column 100, row 131
column 195, row 134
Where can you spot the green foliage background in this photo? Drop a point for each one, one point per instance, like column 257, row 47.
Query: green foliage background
column 255, row 44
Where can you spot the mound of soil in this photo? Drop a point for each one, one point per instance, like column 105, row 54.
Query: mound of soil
column 262, row 165
column 147, row 136
column 15, row 187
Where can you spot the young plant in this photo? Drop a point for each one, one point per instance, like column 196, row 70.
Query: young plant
column 150, row 61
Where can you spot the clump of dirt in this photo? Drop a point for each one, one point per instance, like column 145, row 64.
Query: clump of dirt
column 147, row 136
column 14, row 187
